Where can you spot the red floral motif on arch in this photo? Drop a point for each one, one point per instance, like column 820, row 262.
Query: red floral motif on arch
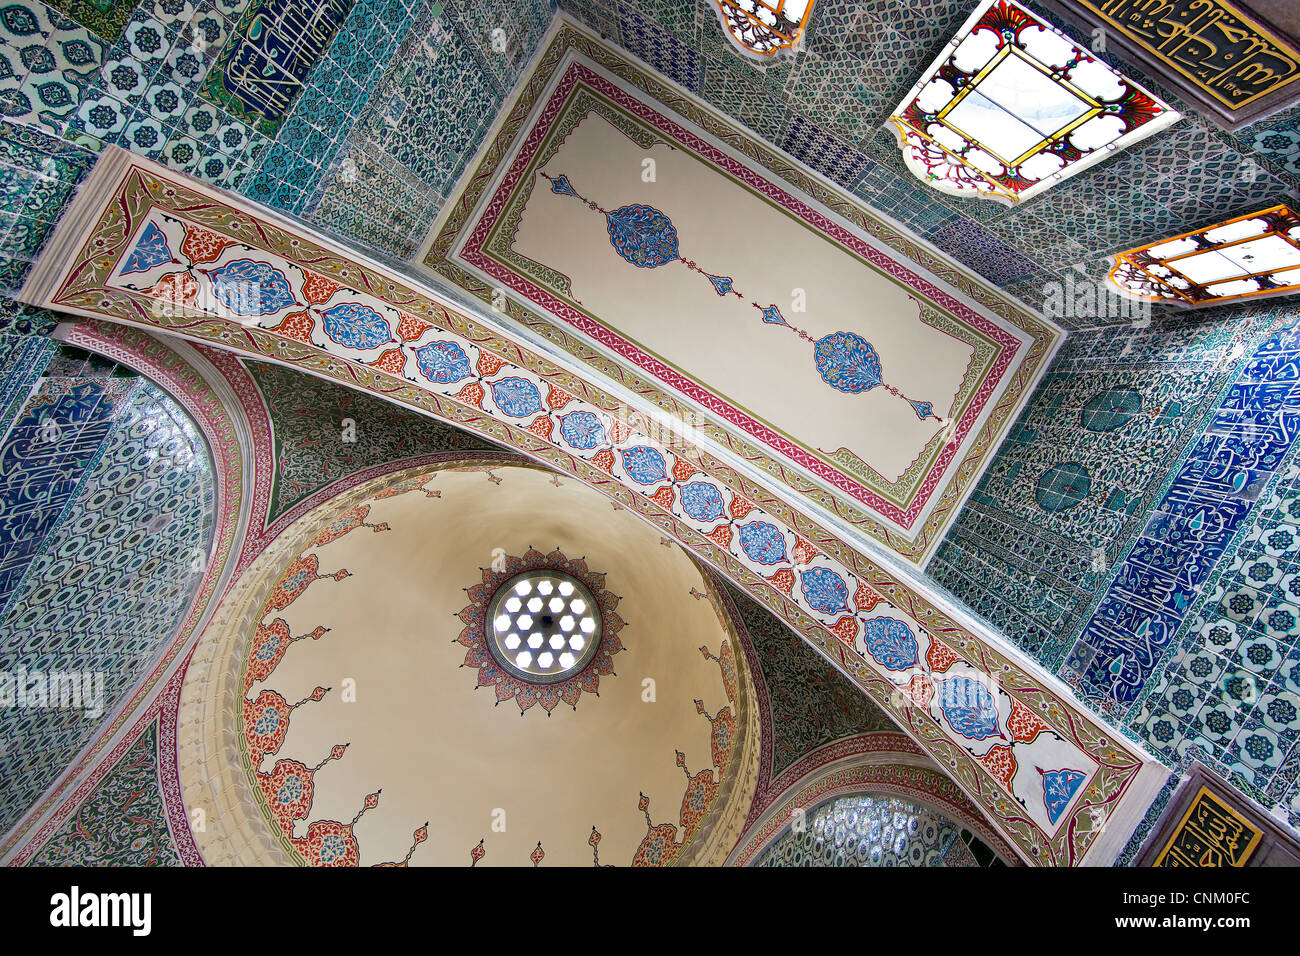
column 489, row 364
column 664, row 497
column 471, row 394
column 178, row 288
column 920, row 691
column 297, row 326
column 1001, row 763
column 317, row 289
column 721, row 536
column 541, row 427
column 740, row 506
column 558, row 398
column 683, row 469
column 865, row 598
column 203, row 245
column 845, row 629
column 803, row 551
column 1023, row 723
column 783, row 580
column 392, row 362
column 410, row 328
column 940, row 656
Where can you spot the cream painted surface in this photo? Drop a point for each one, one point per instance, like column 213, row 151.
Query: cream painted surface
column 720, row 341
column 440, row 750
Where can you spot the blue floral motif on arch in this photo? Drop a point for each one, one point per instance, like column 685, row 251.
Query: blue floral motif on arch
column 1059, row 788
column 517, row 397
column 150, row 251
column 356, row 326
column 246, row 287
column 644, row 465
column 442, row 362
column 969, row 708
column 702, row 501
column 890, row 643
column 582, row 430
column 762, row 542
column 642, row 235
column 847, row 362
column 825, row 590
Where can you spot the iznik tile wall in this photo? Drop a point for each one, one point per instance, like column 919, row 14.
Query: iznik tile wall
column 123, row 822
column 109, row 502
column 1132, row 535
column 360, row 125
column 828, row 106
column 877, row 830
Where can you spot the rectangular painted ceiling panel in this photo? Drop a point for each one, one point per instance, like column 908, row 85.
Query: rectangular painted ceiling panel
column 618, row 218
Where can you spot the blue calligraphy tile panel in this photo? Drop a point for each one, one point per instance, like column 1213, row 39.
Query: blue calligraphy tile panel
column 264, row 64
column 42, row 462
column 1159, row 590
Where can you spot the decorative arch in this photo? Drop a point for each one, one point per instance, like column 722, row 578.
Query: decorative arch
column 1051, row 775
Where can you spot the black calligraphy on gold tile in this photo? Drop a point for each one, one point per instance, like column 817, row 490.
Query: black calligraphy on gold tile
column 1210, row 834
column 1225, row 54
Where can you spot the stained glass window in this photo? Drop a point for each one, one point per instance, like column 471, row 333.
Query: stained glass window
column 1012, row 106
column 1251, row 256
column 760, row 28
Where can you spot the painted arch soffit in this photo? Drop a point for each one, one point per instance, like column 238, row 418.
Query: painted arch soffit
column 145, row 247
column 618, row 219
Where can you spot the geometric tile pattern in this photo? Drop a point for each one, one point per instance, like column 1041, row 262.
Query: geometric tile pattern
column 47, row 451
column 1118, row 408
column 423, row 122
column 1160, row 591
column 112, row 578
column 876, row 830
column 160, row 78
column 672, row 57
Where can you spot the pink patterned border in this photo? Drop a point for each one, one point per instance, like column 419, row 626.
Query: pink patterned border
column 472, row 254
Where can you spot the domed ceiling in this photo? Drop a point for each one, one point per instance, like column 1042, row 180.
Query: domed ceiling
column 375, row 726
